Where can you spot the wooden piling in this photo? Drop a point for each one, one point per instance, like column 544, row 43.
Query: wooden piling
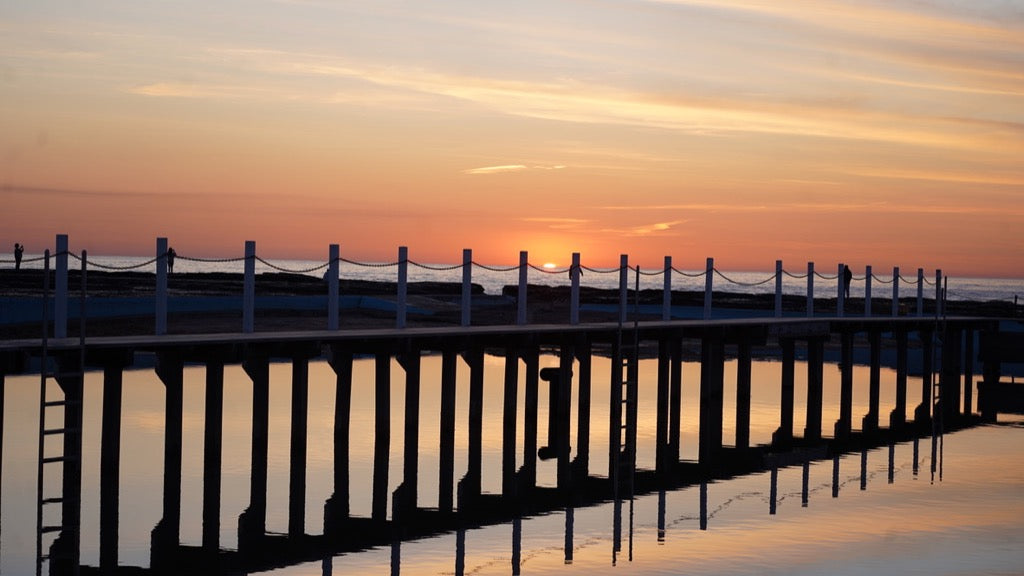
column 784, row 434
column 446, row 464
column 213, row 440
column 743, row 361
column 711, row 397
column 815, row 384
column 382, row 435
column 297, row 460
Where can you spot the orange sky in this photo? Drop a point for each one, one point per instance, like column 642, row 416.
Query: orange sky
column 882, row 133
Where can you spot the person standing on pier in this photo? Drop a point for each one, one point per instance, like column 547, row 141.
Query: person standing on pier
column 847, row 279
column 19, row 251
column 170, row 260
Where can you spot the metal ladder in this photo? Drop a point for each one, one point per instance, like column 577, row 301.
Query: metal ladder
column 48, row 405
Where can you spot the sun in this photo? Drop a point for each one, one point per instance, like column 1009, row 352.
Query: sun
column 550, row 265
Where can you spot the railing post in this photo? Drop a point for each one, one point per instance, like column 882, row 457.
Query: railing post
column 810, row 289
column 920, row 292
column 709, row 275
column 403, row 281
column 623, row 286
column 574, row 291
column 161, row 286
column 778, row 288
column 867, row 290
column 249, row 288
column 467, row 285
column 666, row 297
column 895, row 291
column 333, row 282
column 60, row 301
column 841, row 291
column 524, row 269
column 938, row 293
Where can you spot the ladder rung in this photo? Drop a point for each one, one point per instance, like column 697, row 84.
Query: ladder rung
column 54, row 459
column 52, row 431
column 46, row 529
column 54, row 500
column 51, row 403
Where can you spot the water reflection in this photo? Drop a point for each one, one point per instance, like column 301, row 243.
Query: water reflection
column 238, row 475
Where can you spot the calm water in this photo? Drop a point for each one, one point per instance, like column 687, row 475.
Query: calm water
column 969, row 520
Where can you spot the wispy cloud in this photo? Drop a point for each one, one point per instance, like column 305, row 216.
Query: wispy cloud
column 510, row 168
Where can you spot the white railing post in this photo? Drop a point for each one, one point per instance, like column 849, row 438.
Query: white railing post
column 666, row 297
column 938, row 293
column 841, row 295
column 778, row 288
column 709, row 275
column 161, row 286
column 920, row 292
column 60, row 301
column 810, row 289
column 574, row 291
column 623, row 286
column 867, row 290
column 467, row 285
column 333, row 285
column 403, row 288
column 249, row 288
column 524, row 270
column 895, row 291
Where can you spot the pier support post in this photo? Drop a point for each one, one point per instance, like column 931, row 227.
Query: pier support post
column 166, row 534
column 949, row 379
column 66, row 549
column 869, row 424
column 662, row 462
column 574, row 289
column 297, row 464
column 249, row 288
column 110, row 460
column 623, row 287
column 467, row 286
column 923, row 413
column 213, row 440
column 712, row 373
column 810, row 289
column 968, row 372
column 743, row 360
column 844, row 427
column 252, row 524
column 161, row 287
column 867, row 291
column 988, row 403
column 666, row 294
column 509, row 414
column 920, row 292
column 898, row 417
column 524, row 270
column 778, row 288
column 381, row 436
column 709, row 280
column 675, row 399
column 815, row 385
column 336, row 509
column 401, row 297
column 783, row 436
column 333, row 282
column 840, row 291
column 446, row 458
column 581, row 465
column 474, row 465
column 60, row 297
column 410, row 361
column 895, row 291
column 531, row 399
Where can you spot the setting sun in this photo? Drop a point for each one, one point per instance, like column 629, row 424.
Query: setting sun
column 550, row 265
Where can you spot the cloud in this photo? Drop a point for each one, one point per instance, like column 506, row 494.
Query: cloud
column 510, row 168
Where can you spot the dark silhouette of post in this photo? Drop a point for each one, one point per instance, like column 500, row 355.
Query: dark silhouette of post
column 949, row 389
column 773, row 495
column 65, row 551
column 474, row 465
column 581, row 465
column 922, row 414
column 381, row 436
column 297, row 461
column 531, row 399
column 336, row 509
column 784, row 435
column 815, row 383
column 410, row 361
column 252, row 524
column 844, row 426
column 166, row 534
column 869, row 424
column 213, row 441
column 743, row 359
column 805, row 490
column 898, row 417
column 446, row 465
column 662, row 464
column 110, row 458
column 675, row 399
column 968, row 372
column 509, row 415
column 712, row 384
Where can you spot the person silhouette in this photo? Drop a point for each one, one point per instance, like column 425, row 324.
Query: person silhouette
column 19, row 251
column 170, row 260
column 847, row 279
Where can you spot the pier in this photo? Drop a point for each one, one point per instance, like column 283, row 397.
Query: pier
column 937, row 398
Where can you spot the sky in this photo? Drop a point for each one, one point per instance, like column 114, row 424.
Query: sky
column 866, row 132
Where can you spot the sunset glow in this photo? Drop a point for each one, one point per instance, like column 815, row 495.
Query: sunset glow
column 866, row 132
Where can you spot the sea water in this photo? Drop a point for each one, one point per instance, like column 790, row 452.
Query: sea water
column 891, row 510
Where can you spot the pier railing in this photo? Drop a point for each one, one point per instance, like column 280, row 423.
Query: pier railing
column 629, row 276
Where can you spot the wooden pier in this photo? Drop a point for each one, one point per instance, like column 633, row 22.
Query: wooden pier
column 944, row 348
